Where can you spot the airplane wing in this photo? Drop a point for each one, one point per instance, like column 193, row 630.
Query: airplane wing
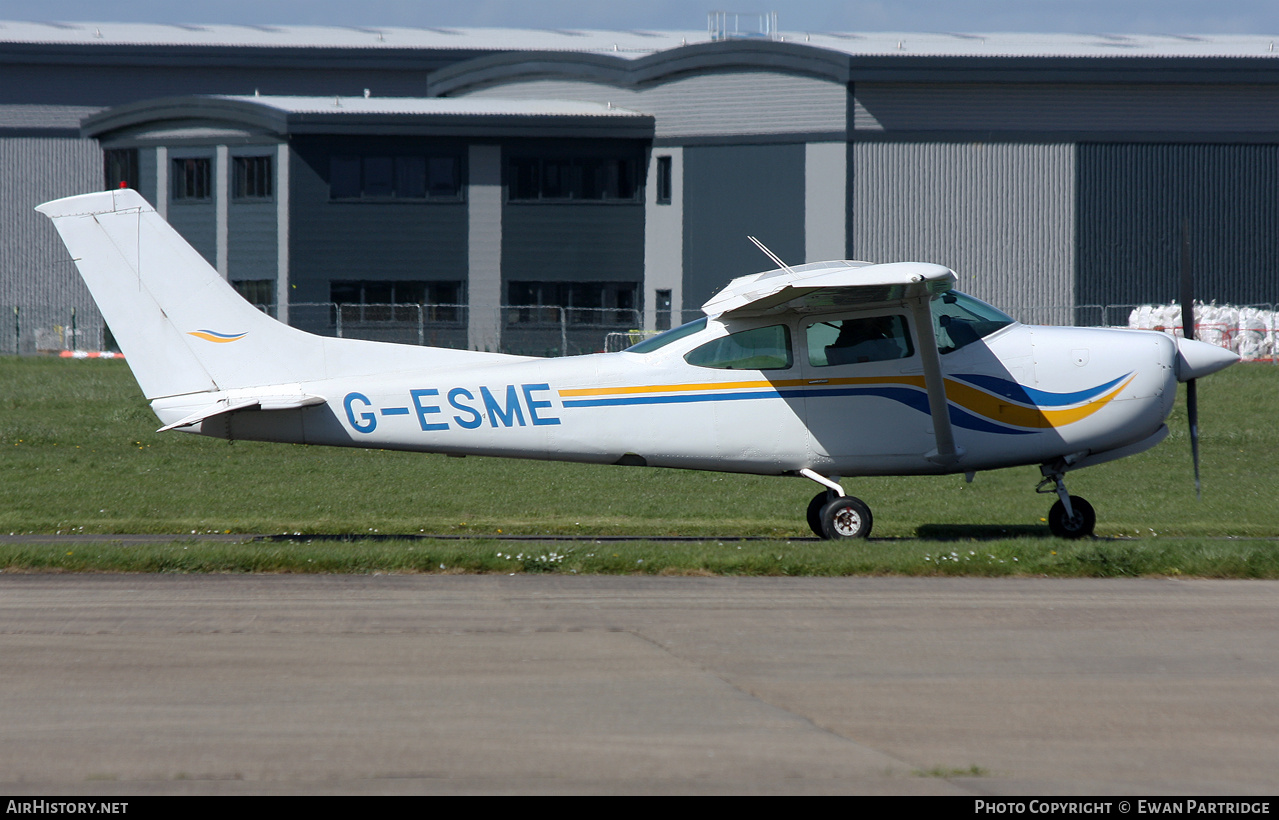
column 825, row 285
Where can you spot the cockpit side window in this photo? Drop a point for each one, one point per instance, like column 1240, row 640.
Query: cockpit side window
column 858, row 340
column 959, row 320
column 760, row 348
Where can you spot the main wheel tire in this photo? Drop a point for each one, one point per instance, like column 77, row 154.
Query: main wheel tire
column 845, row 518
column 1081, row 525
column 815, row 513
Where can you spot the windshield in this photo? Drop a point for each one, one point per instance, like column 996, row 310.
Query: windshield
column 959, row 320
column 673, row 335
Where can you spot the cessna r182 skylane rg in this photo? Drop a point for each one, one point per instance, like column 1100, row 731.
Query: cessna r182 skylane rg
column 823, row 370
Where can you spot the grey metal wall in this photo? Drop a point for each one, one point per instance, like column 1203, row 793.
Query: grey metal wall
column 733, row 191
column 715, row 105
column 583, row 242
column 378, row 241
column 1133, row 199
column 34, row 267
column 196, row 219
column 252, row 226
column 1001, row 215
column 251, row 240
column 1121, row 110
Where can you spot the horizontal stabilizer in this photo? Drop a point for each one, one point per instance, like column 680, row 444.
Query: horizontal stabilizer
column 230, row 404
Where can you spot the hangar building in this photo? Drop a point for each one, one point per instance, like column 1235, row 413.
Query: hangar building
column 531, row 190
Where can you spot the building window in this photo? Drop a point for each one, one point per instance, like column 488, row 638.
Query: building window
column 663, row 314
column 409, row 177
column 258, row 292
column 559, row 179
column 586, row 303
column 120, row 168
column 252, row 178
column 192, row 178
column 380, row 301
column 663, row 180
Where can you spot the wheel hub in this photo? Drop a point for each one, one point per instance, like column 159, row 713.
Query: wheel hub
column 847, row 522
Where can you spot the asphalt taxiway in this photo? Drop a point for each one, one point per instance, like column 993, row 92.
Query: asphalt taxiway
column 155, row 684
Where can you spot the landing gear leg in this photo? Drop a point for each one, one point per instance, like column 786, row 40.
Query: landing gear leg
column 833, row 515
column 1071, row 516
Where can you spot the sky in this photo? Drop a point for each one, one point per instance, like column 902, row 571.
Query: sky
column 1068, row 16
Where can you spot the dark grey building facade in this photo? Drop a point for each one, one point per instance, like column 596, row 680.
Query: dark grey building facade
column 608, row 179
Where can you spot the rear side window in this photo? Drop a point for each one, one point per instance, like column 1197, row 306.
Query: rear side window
column 761, row 348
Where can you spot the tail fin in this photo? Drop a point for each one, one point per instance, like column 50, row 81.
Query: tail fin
column 182, row 328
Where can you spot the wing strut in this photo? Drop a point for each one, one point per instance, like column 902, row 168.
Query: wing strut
column 946, row 452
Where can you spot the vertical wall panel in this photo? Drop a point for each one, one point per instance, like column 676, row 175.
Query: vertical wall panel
column 664, row 237
column 731, row 192
column 1133, row 200
column 400, row 241
column 35, row 270
column 825, row 200
column 1001, row 215
column 196, row 219
column 484, row 248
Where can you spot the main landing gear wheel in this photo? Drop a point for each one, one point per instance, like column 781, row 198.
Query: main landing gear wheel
column 845, row 518
column 1080, row 525
column 815, row 512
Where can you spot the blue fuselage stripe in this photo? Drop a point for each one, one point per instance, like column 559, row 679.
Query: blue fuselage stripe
column 913, row 398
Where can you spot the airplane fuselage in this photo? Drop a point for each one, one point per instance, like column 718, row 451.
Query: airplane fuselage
column 1023, row 395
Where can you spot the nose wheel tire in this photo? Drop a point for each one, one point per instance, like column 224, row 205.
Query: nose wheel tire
column 1080, row 525
column 845, row 518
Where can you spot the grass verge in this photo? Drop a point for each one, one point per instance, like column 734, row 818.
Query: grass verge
column 80, row 457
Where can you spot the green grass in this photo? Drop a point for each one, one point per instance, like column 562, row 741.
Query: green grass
column 80, row 457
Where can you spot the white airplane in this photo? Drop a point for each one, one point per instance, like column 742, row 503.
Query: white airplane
column 824, row 370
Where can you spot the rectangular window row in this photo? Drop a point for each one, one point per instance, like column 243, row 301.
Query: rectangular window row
column 191, row 178
column 381, row 301
column 410, row 177
column 589, row 179
column 588, row 303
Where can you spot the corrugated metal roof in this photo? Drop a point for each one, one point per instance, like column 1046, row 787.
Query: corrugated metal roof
column 624, row 43
column 434, row 106
column 1006, row 44
column 638, row 43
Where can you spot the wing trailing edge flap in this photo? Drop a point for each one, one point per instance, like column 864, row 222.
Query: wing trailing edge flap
column 231, row 403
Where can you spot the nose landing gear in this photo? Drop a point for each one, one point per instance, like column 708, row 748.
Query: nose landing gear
column 1071, row 516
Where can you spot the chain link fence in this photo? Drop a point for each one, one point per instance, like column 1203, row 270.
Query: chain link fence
column 551, row 330
column 529, row 330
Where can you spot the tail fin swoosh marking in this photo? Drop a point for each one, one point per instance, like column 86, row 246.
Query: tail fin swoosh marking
column 214, row 336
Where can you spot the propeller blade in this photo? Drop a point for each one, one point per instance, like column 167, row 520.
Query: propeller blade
column 1188, row 330
column 1192, row 411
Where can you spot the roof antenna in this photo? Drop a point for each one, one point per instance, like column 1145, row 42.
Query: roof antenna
column 777, row 260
